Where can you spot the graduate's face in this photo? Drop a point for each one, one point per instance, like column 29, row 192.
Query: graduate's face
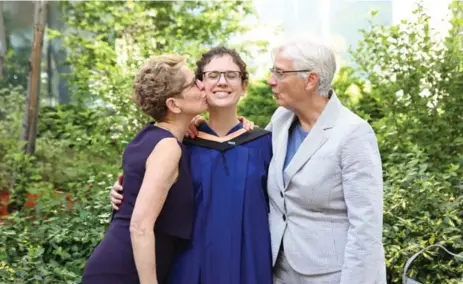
column 222, row 81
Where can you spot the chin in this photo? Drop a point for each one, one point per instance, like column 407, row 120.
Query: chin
column 223, row 104
column 279, row 101
column 226, row 101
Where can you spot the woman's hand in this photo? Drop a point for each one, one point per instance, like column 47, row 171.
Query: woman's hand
column 192, row 130
column 116, row 194
column 247, row 124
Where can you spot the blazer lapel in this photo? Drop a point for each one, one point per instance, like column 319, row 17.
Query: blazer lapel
column 317, row 136
column 282, row 142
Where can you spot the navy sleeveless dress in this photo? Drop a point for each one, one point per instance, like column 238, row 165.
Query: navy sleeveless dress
column 112, row 261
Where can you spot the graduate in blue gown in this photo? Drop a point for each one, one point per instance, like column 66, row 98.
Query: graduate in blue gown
column 231, row 240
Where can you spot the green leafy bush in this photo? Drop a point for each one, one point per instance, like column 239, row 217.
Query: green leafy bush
column 420, row 209
column 258, row 105
column 416, row 79
column 51, row 243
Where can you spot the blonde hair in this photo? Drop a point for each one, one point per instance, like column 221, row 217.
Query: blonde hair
column 157, row 80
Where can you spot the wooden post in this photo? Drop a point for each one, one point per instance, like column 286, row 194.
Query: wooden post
column 29, row 130
column 3, row 45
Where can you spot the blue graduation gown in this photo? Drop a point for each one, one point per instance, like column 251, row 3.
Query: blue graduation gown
column 231, row 239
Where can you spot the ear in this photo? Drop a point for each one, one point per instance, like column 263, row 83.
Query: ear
column 173, row 105
column 311, row 82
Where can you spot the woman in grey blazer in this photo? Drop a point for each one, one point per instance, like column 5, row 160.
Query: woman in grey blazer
column 325, row 178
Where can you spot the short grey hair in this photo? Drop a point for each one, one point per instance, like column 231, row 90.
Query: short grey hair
column 311, row 55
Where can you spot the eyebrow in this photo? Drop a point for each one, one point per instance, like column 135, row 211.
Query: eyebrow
column 221, row 71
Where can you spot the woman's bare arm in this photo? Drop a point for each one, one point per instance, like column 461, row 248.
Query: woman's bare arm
column 161, row 172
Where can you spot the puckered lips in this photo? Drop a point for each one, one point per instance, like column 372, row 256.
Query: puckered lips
column 276, row 95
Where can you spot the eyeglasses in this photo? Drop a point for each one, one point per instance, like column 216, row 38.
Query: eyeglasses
column 280, row 73
column 214, row 76
column 189, row 85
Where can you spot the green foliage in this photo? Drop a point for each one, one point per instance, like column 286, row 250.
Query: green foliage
column 16, row 61
column 422, row 208
column 77, row 156
column 354, row 93
column 15, row 70
column 52, row 243
column 417, row 79
column 415, row 86
column 13, row 163
column 258, row 104
column 72, row 143
column 110, row 40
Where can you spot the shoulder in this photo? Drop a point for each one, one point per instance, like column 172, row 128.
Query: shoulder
column 258, row 135
column 144, row 141
column 260, row 132
column 169, row 144
column 353, row 125
column 167, row 148
column 264, row 137
column 150, row 134
column 358, row 137
column 262, row 140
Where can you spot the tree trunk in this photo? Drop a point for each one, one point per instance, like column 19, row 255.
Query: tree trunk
column 3, row 45
column 29, row 131
column 49, row 62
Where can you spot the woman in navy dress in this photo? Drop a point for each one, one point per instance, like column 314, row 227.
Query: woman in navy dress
column 155, row 221
column 231, row 240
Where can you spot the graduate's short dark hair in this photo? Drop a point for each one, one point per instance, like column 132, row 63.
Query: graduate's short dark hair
column 220, row 51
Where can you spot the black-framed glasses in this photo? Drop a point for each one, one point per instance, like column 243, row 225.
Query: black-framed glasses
column 280, row 73
column 214, row 76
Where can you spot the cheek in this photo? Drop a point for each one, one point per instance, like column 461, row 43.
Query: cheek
column 208, row 88
column 238, row 89
column 197, row 96
column 282, row 88
column 290, row 91
column 194, row 97
column 209, row 96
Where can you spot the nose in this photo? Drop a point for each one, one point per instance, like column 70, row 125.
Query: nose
column 222, row 80
column 271, row 80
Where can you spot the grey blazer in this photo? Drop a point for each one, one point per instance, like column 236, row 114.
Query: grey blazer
column 329, row 215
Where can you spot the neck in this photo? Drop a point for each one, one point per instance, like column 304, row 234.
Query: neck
column 221, row 120
column 178, row 127
column 308, row 112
